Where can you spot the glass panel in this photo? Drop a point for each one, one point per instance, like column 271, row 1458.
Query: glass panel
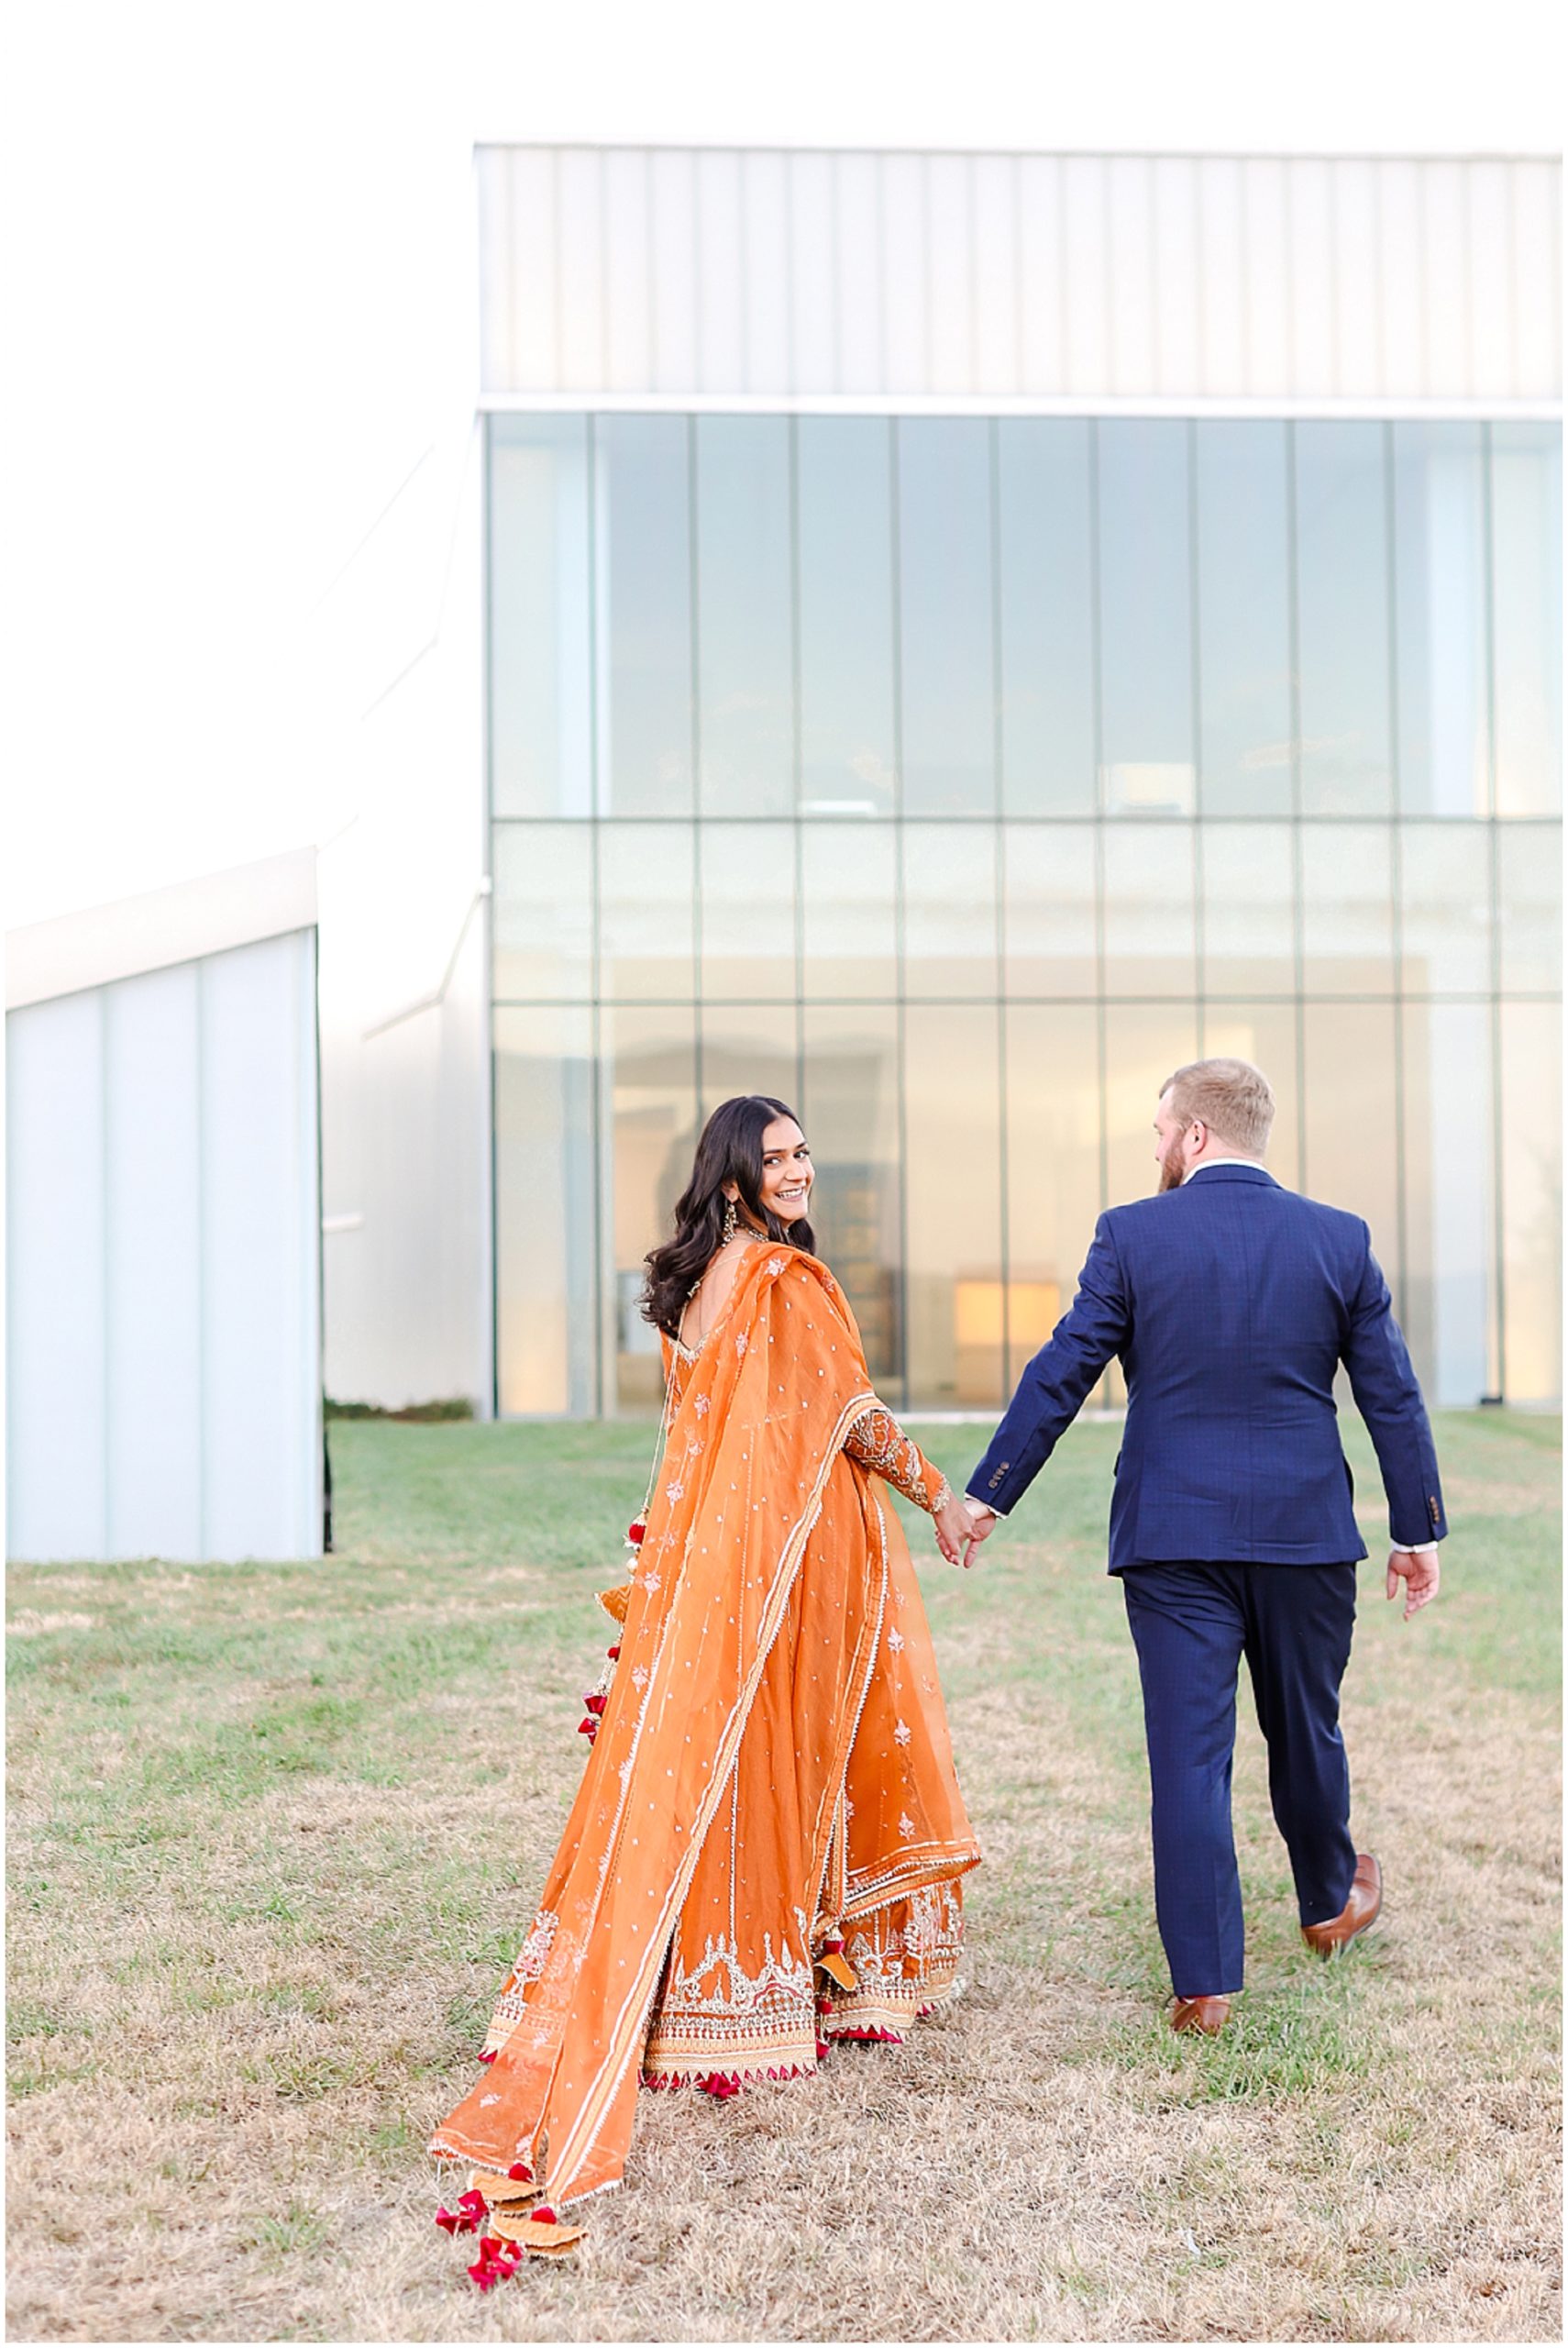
column 1265, row 1033
column 1048, row 877
column 543, row 911
column 1526, row 615
column 1342, row 619
column 644, row 570
column 953, row 1181
column 1144, row 1045
column 753, row 1048
column 544, row 1211
column 950, row 909
column 1445, row 909
column 1347, row 909
column 1531, row 1149
column 645, row 904
column 1440, row 604
column 1052, row 1167
column 1530, row 902
column 748, row 909
column 1449, row 1234
column 1149, row 943
column 1243, row 627
column 746, row 660
column 850, row 916
column 1249, row 909
column 1045, row 557
column 649, row 1062
column 541, row 709
column 1351, row 1121
column 847, row 755
column 945, row 613
column 851, row 1108
column 1145, row 603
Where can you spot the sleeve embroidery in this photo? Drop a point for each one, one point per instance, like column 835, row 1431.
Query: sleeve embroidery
column 877, row 1442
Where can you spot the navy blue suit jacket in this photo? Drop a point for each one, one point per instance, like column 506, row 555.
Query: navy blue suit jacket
column 1232, row 1302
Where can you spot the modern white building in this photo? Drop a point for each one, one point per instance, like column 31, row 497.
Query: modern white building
column 943, row 638
column 163, row 1340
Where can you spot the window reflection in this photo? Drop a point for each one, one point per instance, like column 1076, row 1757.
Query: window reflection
column 1440, row 602
column 953, row 1184
column 1244, row 574
column 1249, row 909
column 950, row 909
column 1053, row 1166
column 541, row 698
column 1148, row 920
column 750, row 1047
column 1347, row 909
column 1445, row 909
column 1265, row 1034
column 748, row 910
column 745, row 653
column 645, row 901
column 545, row 1191
column 1350, row 1108
column 1045, row 564
column 944, row 617
column 1049, row 911
column 843, row 475
column 849, row 918
column 1447, row 1089
column 643, row 497
column 1531, row 1161
column 1145, row 600
column 1342, row 619
column 1529, row 909
column 1144, row 1045
column 850, row 1105
column 543, row 911
column 1526, row 615
column 650, row 1061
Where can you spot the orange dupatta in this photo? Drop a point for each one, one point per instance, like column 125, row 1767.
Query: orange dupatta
column 831, row 1800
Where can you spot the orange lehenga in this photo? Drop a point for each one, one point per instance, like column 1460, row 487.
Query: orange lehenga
column 765, row 1848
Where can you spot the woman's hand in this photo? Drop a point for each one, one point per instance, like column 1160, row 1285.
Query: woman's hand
column 954, row 1530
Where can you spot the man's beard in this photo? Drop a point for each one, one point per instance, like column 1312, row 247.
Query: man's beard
column 1173, row 1167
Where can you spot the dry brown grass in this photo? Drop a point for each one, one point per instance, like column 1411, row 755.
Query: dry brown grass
column 273, row 1832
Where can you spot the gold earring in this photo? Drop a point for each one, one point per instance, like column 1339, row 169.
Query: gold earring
column 730, row 1223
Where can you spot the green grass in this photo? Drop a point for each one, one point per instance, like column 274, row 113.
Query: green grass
column 277, row 1829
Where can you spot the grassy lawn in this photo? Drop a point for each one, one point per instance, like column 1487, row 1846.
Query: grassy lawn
column 275, row 1832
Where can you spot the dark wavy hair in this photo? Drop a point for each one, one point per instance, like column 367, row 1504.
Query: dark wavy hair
column 730, row 1151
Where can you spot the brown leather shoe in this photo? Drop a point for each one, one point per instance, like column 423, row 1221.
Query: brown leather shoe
column 1206, row 2014
column 1360, row 1910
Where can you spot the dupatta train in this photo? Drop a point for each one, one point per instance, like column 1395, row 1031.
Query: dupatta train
column 770, row 1802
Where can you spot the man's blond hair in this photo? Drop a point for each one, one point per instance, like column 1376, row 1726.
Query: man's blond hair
column 1232, row 1098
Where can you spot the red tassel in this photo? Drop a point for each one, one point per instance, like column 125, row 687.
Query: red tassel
column 520, row 2173
column 546, row 2216
column 634, row 1532
column 613, row 1654
column 588, row 1727
column 821, row 2050
column 490, row 2055
column 594, row 1703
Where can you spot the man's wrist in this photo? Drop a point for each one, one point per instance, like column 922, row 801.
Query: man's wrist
column 1415, row 1548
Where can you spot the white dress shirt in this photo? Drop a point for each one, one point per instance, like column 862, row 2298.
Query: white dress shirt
column 1225, row 1158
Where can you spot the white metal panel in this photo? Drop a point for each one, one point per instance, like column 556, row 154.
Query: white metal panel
column 813, row 322
column 628, row 270
column 860, row 277
column 260, row 1221
column 765, row 213
column 672, row 287
column 56, row 1385
column 154, row 1269
column 776, row 274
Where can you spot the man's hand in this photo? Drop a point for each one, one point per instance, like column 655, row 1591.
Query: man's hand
column 1420, row 1576
column 981, row 1521
column 952, row 1524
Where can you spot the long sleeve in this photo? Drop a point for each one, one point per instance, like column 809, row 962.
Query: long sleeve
column 1054, row 1385
column 878, row 1443
column 1389, row 1400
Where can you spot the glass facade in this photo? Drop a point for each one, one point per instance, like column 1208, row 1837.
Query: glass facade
column 956, row 779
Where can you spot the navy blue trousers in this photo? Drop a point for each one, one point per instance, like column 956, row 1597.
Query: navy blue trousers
column 1191, row 1625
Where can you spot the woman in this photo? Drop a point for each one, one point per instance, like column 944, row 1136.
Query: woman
column 765, row 1851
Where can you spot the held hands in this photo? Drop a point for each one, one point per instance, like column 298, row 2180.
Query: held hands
column 1420, row 1576
column 979, row 1520
column 951, row 1520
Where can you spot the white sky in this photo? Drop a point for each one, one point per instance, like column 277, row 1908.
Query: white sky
column 237, row 258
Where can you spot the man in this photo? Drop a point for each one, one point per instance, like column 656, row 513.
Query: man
column 1232, row 1302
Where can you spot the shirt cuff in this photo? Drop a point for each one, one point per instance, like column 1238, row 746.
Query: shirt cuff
column 1415, row 1548
column 980, row 1501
